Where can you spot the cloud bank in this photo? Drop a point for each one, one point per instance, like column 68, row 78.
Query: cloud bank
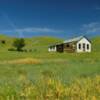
column 91, row 28
column 34, row 29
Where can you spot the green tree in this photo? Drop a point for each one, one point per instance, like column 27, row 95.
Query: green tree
column 19, row 43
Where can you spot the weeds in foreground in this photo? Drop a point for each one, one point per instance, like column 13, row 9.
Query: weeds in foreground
column 48, row 88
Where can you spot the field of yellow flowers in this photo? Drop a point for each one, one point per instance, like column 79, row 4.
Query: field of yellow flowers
column 49, row 88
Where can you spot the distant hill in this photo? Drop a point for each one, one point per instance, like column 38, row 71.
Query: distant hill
column 96, row 44
column 41, row 43
column 31, row 43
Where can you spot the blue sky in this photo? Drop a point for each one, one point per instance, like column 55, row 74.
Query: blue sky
column 59, row 18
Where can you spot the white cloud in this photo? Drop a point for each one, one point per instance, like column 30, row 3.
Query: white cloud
column 97, row 8
column 34, row 29
column 37, row 30
column 91, row 27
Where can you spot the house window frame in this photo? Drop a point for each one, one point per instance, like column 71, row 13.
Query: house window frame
column 79, row 46
column 88, row 46
column 67, row 45
column 84, row 45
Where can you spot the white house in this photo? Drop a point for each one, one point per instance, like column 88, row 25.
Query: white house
column 78, row 44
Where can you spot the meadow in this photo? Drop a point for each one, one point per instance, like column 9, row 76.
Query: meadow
column 42, row 75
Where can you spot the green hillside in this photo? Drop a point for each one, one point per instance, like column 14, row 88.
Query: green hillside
column 42, row 43
column 31, row 43
column 96, row 44
column 25, row 71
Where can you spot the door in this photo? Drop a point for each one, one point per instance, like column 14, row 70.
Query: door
column 60, row 48
column 84, row 47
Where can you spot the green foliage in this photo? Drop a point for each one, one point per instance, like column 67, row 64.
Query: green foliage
column 19, row 43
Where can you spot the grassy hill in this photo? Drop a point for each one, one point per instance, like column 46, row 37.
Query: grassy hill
column 39, row 48
column 31, row 43
column 17, row 69
column 42, row 43
column 96, row 43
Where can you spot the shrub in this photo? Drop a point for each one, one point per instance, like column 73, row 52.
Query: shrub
column 3, row 41
column 19, row 43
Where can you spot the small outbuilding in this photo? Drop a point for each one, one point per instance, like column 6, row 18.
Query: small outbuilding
column 56, row 47
column 78, row 44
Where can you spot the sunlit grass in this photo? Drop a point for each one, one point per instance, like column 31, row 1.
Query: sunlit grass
column 43, row 75
column 21, row 61
column 49, row 88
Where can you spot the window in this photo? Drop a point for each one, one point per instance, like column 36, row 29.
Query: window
column 50, row 47
column 83, row 45
column 87, row 46
column 79, row 46
column 67, row 45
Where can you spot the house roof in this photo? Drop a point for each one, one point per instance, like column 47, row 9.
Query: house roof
column 76, row 39
column 55, row 44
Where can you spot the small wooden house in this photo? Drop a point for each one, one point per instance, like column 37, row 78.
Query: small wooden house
column 78, row 44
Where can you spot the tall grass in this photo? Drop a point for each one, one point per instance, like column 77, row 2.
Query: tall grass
column 49, row 88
